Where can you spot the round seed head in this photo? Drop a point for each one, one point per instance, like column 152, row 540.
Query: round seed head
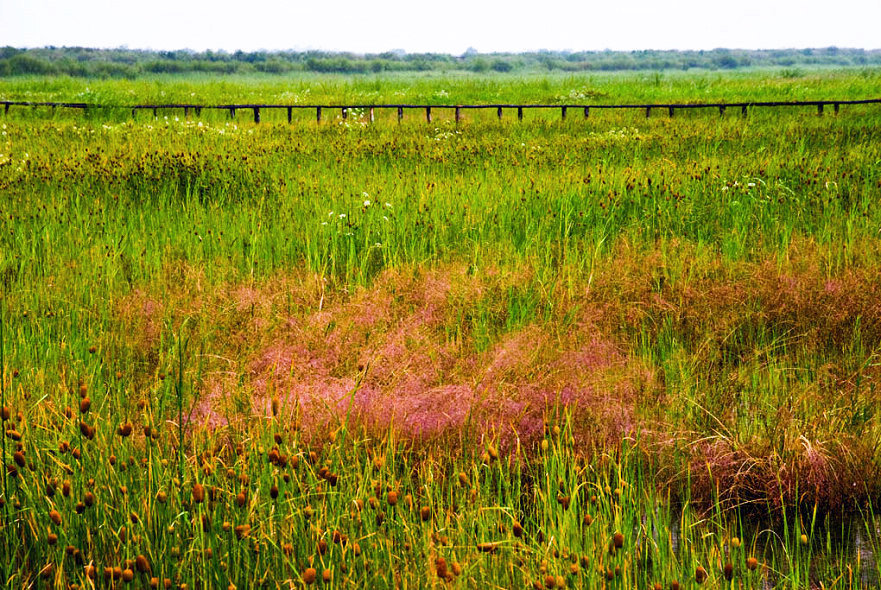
column 142, row 564
column 517, row 529
column 440, row 565
column 752, row 563
column 618, row 540
column 55, row 517
column 310, row 575
column 728, row 571
column 700, row 575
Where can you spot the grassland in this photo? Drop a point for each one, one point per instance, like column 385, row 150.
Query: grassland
column 613, row 352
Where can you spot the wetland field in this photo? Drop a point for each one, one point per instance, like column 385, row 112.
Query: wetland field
column 605, row 352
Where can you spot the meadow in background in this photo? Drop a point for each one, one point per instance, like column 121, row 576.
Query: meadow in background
column 605, row 352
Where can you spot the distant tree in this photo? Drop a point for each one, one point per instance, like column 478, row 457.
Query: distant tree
column 500, row 65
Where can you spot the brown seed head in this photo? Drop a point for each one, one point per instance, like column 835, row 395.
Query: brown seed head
column 310, row 575
column 752, row 563
column 326, row 576
column 127, row 575
column 517, row 529
column 87, row 431
column 55, row 517
column 425, row 513
column 124, row 430
column 550, row 582
column 618, row 540
column 700, row 575
column 392, row 498
column 198, row 493
column 85, row 404
column 440, row 565
column 142, row 564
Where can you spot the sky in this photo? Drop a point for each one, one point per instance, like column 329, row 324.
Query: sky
column 450, row 26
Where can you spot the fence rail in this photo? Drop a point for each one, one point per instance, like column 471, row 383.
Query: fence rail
column 671, row 108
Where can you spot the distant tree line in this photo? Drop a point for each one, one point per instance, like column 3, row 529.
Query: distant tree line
column 130, row 63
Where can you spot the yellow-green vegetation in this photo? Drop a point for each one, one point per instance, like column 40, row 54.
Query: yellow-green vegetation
column 609, row 352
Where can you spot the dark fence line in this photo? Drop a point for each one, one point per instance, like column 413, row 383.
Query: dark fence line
column 371, row 108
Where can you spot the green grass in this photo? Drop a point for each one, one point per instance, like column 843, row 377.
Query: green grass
column 670, row 325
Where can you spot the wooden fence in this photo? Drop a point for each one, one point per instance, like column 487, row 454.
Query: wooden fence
column 371, row 109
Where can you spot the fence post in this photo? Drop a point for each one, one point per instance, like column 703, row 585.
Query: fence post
column 371, row 115
column 133, row 113
column 519, row 113
column 290, row 114
column 198, row 112
column 155, row 113
column 186, row 112
column 835, row 106
column 648, row 112
column 563, row 113
column 400, row 114
column 232, row 112
column 721, row 110
column 318, row 114
column 428, row 114
column 499, row 113
column 458, row 115
column 256, row 114
column 586, row 112
column 743, row 111
column 670, row 111
column 6, row 109
column 345, row 112
column 820, row 110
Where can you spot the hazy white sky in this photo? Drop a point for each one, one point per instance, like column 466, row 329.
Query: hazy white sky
column 450, row 26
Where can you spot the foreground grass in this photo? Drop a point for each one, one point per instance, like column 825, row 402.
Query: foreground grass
column 669, row 326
